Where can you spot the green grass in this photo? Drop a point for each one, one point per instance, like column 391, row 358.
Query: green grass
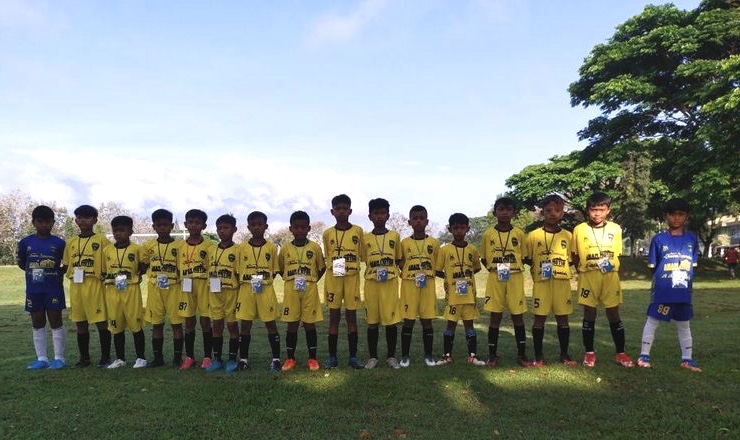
column 456, row 401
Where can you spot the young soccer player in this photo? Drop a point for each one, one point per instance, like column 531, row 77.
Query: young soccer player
column 343, row 247
column 457, row 265
column 549, row 258
column 83, row 257
column 258, row 265
column 163, row 290
column 40, row 257
column 502, row 248
column 193, row 258
column 597, row 245
column 123, row 265
column 672, row 258
column 382, row 256
column 301, row 266
column 224, row 288
column 418, row 286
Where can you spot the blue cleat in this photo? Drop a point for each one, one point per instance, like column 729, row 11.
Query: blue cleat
column 57, row 364
column 332, row 362
column 231, row 366
column 215, row 366
column 355, row 363
column 38, row 365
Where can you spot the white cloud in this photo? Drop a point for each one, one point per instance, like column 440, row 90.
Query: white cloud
column 334, row 27
column 31, row 15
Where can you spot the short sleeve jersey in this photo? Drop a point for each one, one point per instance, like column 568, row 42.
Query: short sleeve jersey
column 381, row 251
column 553, row 247
column 194, row 260
column 344, row 244
column 87, row 253
column 504, row 247
column 591, row 244
column 42, row 258
column 225, row 265
column 306, row 260
column 257, row 260
column 459, row 263
column 124, row 261
column 669, row 253
column 419, row 256
column 162, row 259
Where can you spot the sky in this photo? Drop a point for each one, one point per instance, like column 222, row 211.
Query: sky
column 235, row 106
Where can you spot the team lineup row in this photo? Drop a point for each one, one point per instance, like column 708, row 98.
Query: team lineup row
column 227, row 286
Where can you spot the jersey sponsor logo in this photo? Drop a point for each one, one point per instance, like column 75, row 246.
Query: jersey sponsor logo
column 385, row 261
column 225, row 274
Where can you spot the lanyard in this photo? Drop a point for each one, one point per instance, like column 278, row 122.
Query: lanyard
column 300, row 256
column 120, row 258
column 339, row 240
column 461, row 260
column 256, row 257
column 603, row 231
column 420, row 249
column 159, row 251
column 504, row 245
column 381, row 248
column 82, row 252
column 548, row 249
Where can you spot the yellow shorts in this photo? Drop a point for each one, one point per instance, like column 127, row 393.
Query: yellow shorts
column 87, row 301
column 417, row 301
column 124, row 308
column 552, row 296
column 596, row 288
column 161, row 303
column 502, row 295
column 342, row 289
column 457, row 312
column 382, row 305
column 250, row 305
column 196, row 301
column 223, row 304
column 301, row 306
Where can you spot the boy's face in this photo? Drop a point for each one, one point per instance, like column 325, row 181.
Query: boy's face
column 379, row 217
column 504, row 214
column 341, row 212
column 85, row 223
column 418, row 222
column 676, row 219
column 122, row 234
column 597, row 214
column 162, row 227
column 225, row 231
column 195, row 225
column 257, row 227
column 553, row 213
column 43, row 226
column 458, row 231
column 299, row 229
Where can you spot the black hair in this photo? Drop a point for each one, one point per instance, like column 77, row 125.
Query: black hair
column 256, row 215
column 506, row 202
column 341, row 199
column 675, row 205
column 418, row 208
column 298, row 216
column 122, row 220
column 226, row 218
column 42, row 212
column 552, row 198
column 598, row 198
column 378, row 203
column 86, row 211
column 196, row 213
column 162, row 214
column 459, row 219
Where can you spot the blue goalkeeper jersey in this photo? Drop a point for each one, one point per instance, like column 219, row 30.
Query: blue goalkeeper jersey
column 669, row 254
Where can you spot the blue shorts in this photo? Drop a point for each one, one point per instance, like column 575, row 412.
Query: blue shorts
column 38, row 302
column 668, row 311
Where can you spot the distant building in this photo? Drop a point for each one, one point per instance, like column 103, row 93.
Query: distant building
column 728, row 225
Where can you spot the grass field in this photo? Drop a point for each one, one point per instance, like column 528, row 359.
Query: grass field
column 455, row 401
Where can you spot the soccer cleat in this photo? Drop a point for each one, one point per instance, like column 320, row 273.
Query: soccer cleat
column 405, row 362
column 429, row 360
column 206, row 363
column 104, row 362
column 332, row 362
column 690, row 365
column 492, row 362
column 446, row 359
column 567, row 360
column 289, row 364
column 118, row 363
column 475, row 361
column 393, row 363
column 57, row 364
column 589, row 359
column 243, row 365
column 187, row 363
column 313, row 365
column 38, row 365
column 371, row 363
column 624, row 360
column 140, row 363
column 275, row 366
column 82, row 363
column 157, row 362
column 538, row 363
column 644, row 361
column 231, row 366
column 215, row 366
column 524, row 362
column 355, row 363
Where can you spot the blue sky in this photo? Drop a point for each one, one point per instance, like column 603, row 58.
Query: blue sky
column 231, row 106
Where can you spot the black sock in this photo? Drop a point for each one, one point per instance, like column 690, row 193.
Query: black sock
column 83, row 344
column 372, row 341
column 472, row 341
column 588, row 335
column 140, row 344
column 492, row 342
column 190, row 344
column 291, row 340
column 218, row 347
column 333, row 339
column 233, row 348
column 427, row 335
column 520, row 335
column 177, row 350
column 617, row 329
column 244, row 341
column 274, row 345
column 352, row 338
column 538, row 334
column 105, row 342
column 119, row 341
column 406, row 333
column 207, row 343
column 157, row 344
column 391, row 340
column 448, row 341
column 312, row 342
column 564, row 339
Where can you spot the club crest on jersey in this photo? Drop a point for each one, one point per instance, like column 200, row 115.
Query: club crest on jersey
column 309, row 254
column 202, row 254
column 664, row 248
column 95, row 246
column 232, row 257
column 610, row 237
column 470, row 257
column 430, row 249
column 174, row 252
column 355, row 240
column 392, row 243
column 268, row 256
column 563, row 244
column 131, row 257
column 514, row 242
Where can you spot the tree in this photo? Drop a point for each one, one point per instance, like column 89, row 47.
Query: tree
column 399, row 223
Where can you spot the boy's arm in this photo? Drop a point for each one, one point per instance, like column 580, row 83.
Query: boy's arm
column 476, row 262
